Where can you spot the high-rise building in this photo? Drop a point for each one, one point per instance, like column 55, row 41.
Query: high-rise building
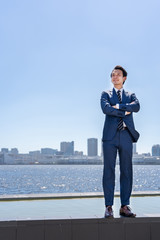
column 48, row 151
column 1, row 158
column 67, row 148
column 14, row 151
column 156, row 150
column 34, row 153
column 101, row 149
column 92, row 146
column 78, row 153
column 134, row 148
column 4, row 150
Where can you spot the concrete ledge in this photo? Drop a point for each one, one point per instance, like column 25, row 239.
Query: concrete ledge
column 78, row 229
column 45, row 196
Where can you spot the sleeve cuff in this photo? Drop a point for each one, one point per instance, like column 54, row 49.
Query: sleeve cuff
column 117, row 105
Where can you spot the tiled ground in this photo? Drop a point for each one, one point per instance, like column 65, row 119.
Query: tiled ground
column 74, row 208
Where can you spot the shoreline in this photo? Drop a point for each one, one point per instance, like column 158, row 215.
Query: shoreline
column 49, row 196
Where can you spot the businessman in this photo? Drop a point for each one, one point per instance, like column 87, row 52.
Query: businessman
column 119, row 134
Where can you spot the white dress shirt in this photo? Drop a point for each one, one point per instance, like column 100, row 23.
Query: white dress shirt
column 117, row 105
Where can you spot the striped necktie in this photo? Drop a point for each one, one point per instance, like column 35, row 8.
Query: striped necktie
column 120, row 123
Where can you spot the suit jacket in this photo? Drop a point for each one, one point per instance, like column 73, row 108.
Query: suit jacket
column 129, row 103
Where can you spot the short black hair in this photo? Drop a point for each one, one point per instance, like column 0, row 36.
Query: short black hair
column 120, row 68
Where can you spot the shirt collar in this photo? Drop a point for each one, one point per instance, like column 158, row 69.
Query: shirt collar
column 121, row 90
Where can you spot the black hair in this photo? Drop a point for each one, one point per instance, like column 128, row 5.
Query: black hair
column 120, row 68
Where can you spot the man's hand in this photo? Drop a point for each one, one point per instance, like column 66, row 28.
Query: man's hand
column 114, row 106
column 127, row 113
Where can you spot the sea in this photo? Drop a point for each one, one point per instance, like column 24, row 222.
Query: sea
column 30, row 179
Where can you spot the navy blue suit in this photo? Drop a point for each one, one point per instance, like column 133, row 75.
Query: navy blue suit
column 115, row 140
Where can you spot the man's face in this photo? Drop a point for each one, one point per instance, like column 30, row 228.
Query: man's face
column 117, row 77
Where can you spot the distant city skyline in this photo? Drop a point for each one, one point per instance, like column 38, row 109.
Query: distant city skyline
column 65, row 147
column 85, row 150
column 91, row 146
column 56, row 59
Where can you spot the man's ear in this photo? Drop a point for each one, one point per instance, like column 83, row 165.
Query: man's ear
column 124, row 79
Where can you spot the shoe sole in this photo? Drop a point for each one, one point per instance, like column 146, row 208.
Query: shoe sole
column 129, row 216
column 109, row 217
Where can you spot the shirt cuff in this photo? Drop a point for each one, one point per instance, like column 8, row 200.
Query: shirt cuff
column 117, row 105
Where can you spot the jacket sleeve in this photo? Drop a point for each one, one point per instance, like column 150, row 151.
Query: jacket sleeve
column 134, row 106
column 108, row 109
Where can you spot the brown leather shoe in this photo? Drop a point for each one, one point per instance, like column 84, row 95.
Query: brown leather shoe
column 108, row 212
column 126, row 212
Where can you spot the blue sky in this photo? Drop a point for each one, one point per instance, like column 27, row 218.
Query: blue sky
column 55, row 60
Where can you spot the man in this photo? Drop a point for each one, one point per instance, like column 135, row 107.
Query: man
column 119, row 134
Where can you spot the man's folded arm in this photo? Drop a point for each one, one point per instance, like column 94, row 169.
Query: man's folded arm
column 134, row 106
column 108, row 109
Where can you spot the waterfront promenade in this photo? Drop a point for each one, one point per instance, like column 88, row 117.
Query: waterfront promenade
column 77, row 216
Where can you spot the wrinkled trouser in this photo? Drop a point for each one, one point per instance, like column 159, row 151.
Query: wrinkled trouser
column 121, row 143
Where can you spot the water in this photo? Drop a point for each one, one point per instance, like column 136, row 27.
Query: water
column 20, row 179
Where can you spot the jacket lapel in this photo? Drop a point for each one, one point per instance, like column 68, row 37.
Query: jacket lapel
column 115, row 96
column 123, row 96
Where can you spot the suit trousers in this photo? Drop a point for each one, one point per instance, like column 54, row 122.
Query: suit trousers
column 121, row 143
